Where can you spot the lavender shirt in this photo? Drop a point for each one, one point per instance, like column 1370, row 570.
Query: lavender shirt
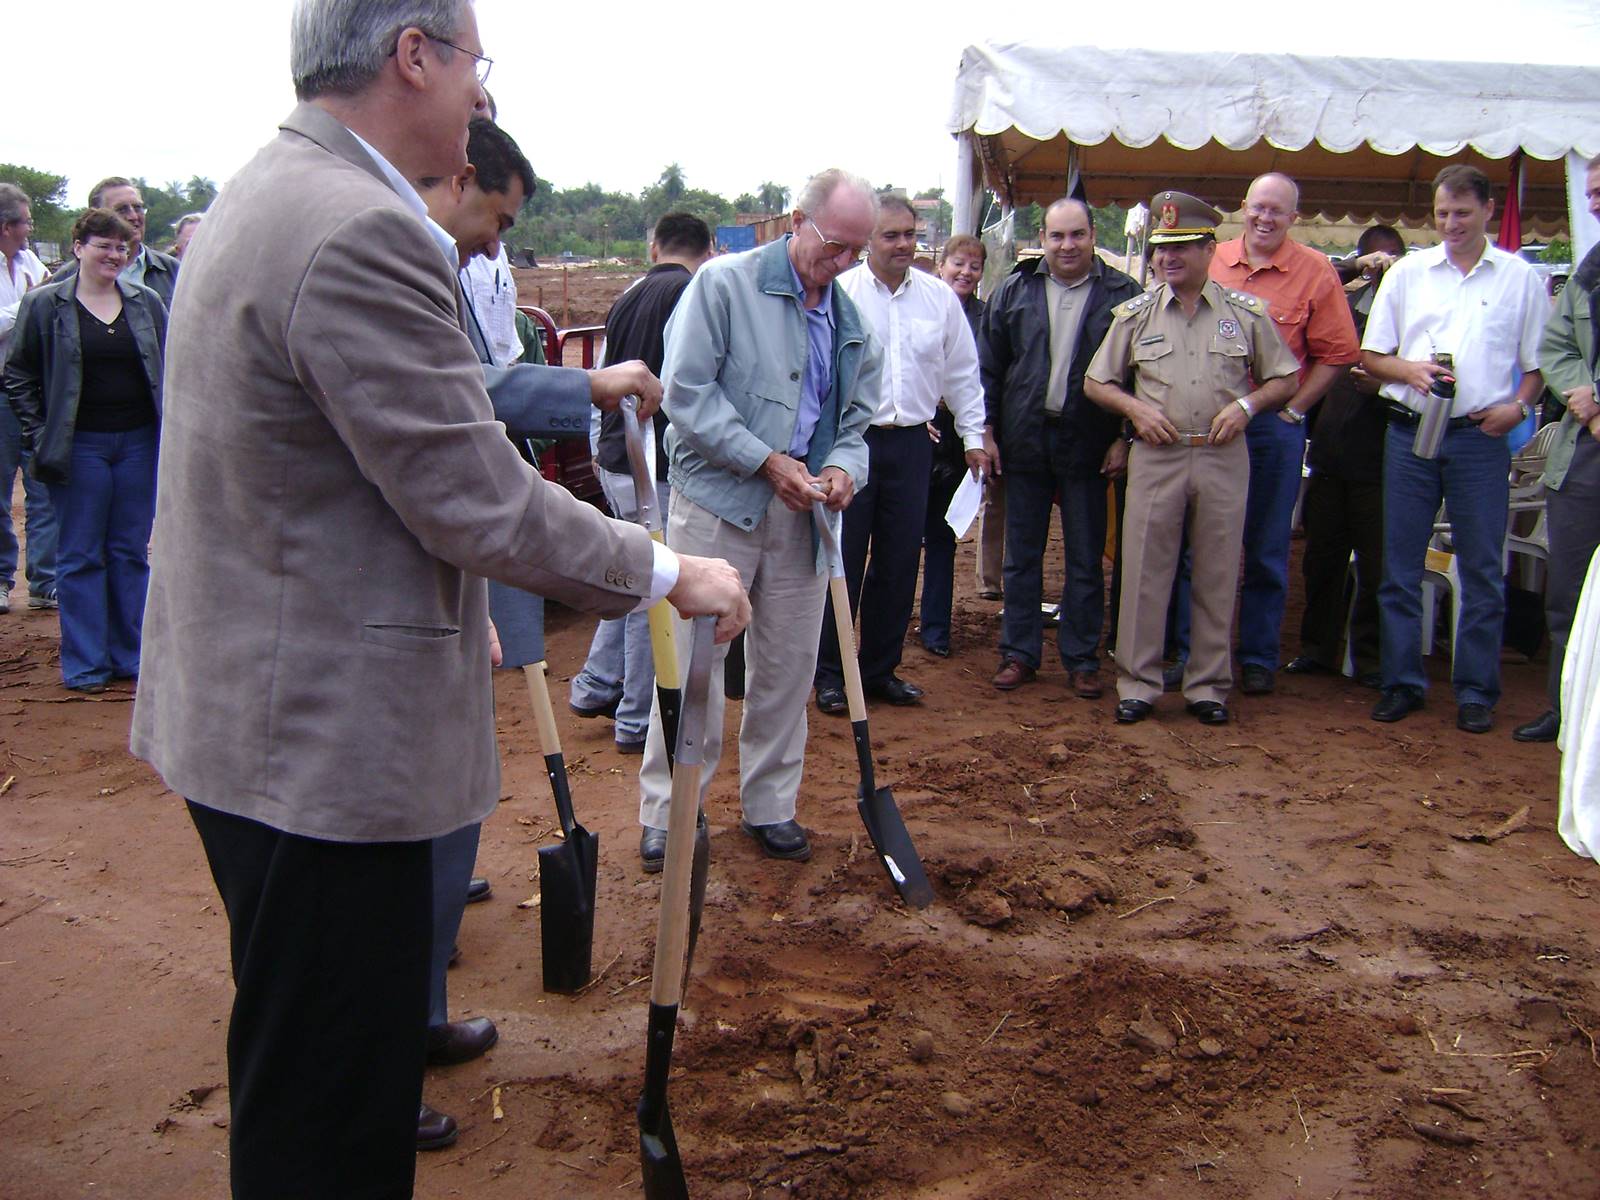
column 819, row 368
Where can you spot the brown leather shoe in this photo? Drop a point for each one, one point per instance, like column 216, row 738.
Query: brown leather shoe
column 460, row 1041
column 1087, row 684
column 1013, row 674
column 435, row 1130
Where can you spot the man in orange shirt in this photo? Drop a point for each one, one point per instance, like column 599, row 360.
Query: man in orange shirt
column 1310, row 313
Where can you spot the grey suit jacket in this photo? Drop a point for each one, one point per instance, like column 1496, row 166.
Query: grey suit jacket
column 332, row 484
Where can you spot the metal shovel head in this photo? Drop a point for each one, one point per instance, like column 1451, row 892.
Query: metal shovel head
column 658, row 1159
column 566, row 909
column 892, row 840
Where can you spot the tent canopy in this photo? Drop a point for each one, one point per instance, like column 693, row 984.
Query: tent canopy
column 1362, row 137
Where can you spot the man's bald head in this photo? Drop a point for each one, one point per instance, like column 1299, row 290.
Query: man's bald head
column 1270, row 208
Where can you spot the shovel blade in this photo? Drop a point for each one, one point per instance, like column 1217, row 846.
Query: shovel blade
column 658, row 1159
column 566, row 910
column 892, row 841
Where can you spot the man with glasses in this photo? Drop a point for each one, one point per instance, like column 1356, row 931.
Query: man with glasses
column 770, row 381
column 333, row 491
column 23, row 271
column 929, row 353
column 146, row 264
column 1309, row 310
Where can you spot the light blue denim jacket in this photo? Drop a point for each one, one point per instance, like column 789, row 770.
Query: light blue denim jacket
column 735, row 363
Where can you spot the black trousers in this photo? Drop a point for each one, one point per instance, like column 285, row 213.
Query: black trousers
column 330, row 944
column 882, row 549
column 1340, row 517
column 1572, row 519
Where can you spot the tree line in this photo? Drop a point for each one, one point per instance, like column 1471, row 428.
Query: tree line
column 53, row 214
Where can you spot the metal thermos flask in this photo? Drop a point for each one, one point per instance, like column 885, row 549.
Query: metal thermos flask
column 1436, row 407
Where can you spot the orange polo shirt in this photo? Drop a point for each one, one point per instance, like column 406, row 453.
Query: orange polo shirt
column 1303, row 296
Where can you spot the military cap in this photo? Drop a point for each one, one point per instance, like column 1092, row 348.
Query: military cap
column 1180, row 217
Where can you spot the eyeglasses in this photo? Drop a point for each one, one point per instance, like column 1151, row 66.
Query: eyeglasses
column 129, row 209
column 480, row 63
column 112, row 248
column 831, row 248
column 1267, row 210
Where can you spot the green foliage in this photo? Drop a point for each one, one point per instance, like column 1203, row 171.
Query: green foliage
column 744, row 202
column 1028, row 219
column 1558, row 251
column 47, row 193
column 1109, row 223
column 772, row 197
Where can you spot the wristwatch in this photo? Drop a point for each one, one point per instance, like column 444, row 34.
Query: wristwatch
column 1522, row 407
column 1244, row 404
column 1289, row 414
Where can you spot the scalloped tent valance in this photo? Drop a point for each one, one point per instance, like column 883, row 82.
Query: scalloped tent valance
column 1363, row 137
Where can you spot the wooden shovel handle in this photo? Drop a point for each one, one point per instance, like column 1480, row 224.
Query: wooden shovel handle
column 543, row 714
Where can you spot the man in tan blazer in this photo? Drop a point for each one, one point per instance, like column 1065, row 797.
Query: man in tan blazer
column 315, row 676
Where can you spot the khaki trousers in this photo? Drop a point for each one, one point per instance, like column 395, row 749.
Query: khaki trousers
column 1168, row 486
column 777, row 560
column 992, row 536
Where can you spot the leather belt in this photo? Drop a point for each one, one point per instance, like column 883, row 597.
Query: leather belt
column 1399, row 414
column 1194, row 439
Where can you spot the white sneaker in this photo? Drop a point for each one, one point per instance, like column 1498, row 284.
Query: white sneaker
column 42, row 602
column 5, row 602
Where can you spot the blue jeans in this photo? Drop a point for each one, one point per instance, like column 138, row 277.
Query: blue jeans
column 105, row 512
column 938, row 568
column 41, row 517
column 1277, row 453
column 1470, row 476
column 619, row 662
column 454, row 855
column 1029, row 495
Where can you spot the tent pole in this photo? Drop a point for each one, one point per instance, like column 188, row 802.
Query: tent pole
column 964, row 217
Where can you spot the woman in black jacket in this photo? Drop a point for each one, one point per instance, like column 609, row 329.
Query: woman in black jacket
column 83, row 374
column 961, row 267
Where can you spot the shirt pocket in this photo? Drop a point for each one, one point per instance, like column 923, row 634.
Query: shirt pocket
column 1154, row 362
column 783, row 391
column 1290, row 322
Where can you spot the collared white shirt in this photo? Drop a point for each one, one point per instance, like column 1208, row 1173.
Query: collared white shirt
column 493, row 292
column 23, row 273
column 1489, row 320
column 929, row 352
column 664, row 575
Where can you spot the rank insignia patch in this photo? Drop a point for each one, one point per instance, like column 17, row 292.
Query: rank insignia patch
column 1228, row 328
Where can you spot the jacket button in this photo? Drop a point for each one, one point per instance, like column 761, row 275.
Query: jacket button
column 749, row 521
column 794, row 375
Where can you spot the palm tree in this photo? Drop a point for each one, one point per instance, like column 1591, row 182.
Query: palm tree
column 672, row 184
column 773, row 198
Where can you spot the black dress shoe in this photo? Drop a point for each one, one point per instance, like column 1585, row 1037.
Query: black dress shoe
column 1172, row 675
column 831, row 701
column 460, row 1041
column 1130, row 712
column 478, row 889
column 435, row 1130
column 1371, row 679
column 895, row 690
column 1543, row 728
column 1304, row 664
column 652, row 849
column 1208, row 712
column 937, row 651
column 784, row 840
column 1397, row 703
column 608, row 709
column 455, row 956
column 1474, row 718
column 1256, row 680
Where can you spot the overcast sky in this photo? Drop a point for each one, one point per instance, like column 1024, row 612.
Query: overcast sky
column 613, row 92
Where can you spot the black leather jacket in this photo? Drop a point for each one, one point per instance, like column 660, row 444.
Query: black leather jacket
column 1014, row 364
column 44, row 366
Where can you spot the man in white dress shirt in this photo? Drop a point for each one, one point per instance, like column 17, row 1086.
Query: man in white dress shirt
column 929, row 353
column 1485, row 308
column 20, row 270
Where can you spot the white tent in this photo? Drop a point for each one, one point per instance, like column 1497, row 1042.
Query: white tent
column 1362, row 137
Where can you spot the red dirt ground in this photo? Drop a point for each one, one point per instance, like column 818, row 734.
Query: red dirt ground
column 1164, row 961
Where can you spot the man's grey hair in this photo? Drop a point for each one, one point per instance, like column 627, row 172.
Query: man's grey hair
column 13, row 203
column 185, row 221
column 814, row 196
column 339, row 46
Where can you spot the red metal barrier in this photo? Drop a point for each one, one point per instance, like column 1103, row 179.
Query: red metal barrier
column 568, row 462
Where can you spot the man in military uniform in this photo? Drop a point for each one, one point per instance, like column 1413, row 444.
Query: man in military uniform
column 1178, row 364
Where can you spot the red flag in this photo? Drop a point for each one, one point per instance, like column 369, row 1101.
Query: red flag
column 1511, row 215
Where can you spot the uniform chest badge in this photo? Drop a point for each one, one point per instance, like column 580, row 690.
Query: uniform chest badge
column 1227, row 327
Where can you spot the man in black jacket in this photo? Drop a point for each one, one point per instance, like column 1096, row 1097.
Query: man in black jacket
column 1041, row 329
column 617, row 678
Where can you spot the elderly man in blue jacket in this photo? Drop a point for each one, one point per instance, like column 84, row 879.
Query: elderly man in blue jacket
column 770, row 382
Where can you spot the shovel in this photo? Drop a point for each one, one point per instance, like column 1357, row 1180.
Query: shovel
column 664, row 650
column 879, row 814
column 567, row 871
column 658, row 1147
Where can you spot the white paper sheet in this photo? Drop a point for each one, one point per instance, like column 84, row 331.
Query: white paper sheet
column 964, row 505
